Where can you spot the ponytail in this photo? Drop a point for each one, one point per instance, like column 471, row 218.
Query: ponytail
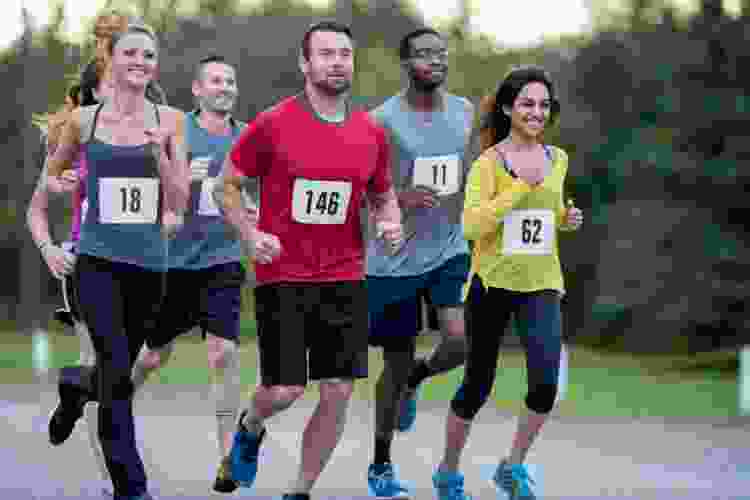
column 487, row 129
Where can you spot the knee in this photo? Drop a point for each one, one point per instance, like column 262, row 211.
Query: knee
column 222, row 355
column 285, row 395
column 336, row 390
column 469, row 399
column 151, row 359
column 541, row 397
column 454, row 330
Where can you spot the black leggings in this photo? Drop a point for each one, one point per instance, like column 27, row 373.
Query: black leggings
column 119, row 303
column 538, row 320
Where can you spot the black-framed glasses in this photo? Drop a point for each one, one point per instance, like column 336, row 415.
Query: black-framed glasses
column 430, row 54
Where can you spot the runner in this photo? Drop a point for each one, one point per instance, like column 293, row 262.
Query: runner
column 513, row 211
column 317, row 160
column 431, row 129
column 205, row 275
column 94, row 87
column 61, row 258
column 136, row 187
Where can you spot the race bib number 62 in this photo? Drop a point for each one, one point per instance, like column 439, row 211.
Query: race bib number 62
column 128, row 200
column 529, row 232
column 320, row 202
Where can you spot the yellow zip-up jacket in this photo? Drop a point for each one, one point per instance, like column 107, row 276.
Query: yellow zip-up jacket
column 514, row 225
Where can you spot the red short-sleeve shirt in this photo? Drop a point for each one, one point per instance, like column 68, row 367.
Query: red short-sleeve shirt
column 313, row 179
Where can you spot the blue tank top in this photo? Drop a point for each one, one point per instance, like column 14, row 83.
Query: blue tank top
column 427, row 154
column 123, row 220
column 204, row 240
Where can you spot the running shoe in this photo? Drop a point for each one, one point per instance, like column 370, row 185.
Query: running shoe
column 449, row 486
column 382, row 482
column 514, row 481
column 67, row 412
column 224, row 482
column 244, row 454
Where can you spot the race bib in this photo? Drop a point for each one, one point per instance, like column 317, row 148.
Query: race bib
column 199, row 167
column 206, row 204
column 529, row 232
column 439, row 172
column 320, row 202
column 125, row 200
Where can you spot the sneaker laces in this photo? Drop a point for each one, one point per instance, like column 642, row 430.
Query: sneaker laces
column 383, row 478
column 521, row 479
column 455, row 487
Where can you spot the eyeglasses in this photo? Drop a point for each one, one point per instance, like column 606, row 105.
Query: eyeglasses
column 429, row 54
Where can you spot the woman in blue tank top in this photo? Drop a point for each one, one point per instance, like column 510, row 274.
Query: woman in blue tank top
column 137, row 186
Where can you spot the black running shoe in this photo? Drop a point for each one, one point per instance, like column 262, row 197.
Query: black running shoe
column 67, row 412
column 224, row 482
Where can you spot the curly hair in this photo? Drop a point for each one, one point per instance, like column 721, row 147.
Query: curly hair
column 495, row 124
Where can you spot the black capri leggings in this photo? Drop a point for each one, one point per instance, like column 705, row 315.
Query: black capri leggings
column 539, row 323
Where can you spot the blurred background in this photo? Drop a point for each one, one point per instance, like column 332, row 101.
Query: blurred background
column 654, row 117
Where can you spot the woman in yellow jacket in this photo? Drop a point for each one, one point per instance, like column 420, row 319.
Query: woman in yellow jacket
column 513, row 211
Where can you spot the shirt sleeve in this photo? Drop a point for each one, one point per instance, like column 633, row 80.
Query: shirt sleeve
column 381, row 180
column 250, row 152
column 488, row 198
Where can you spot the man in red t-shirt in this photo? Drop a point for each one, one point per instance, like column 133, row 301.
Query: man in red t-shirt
column 317, row 161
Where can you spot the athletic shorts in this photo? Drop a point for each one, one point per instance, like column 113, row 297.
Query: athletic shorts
column 206, row 298
column 394, row 302
column 311, row 331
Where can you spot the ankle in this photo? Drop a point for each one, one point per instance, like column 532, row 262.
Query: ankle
column 418, row 374
column 382, row 450
column 450, row 468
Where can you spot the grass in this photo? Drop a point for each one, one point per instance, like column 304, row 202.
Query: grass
column 600, row 384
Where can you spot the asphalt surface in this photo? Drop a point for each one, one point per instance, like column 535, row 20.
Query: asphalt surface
column 658, row 459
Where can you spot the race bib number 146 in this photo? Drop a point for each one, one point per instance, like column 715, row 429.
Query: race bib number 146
column 320, row 202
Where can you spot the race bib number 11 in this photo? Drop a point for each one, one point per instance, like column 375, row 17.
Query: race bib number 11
column 529, row 232
column 128, row 200
column 320, row 202
column 439, row 172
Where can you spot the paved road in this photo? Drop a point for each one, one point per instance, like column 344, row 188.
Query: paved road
column 575, row 457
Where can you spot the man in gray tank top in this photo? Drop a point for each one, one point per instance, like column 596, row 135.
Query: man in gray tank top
column 430, row 133
column 205, row 277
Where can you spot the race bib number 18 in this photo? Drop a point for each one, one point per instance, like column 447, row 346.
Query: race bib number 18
column 529, row 232
column 128, row 200
column 439, row 172
column 320, row 202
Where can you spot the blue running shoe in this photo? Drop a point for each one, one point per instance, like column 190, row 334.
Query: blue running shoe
column 382, row 482
column 408, row 411
column 244, row 454
column 514, row 480
column 449, row 486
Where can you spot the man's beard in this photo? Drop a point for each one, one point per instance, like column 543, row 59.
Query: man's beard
column 332, row 90
column 221, row 104
column 423, row 85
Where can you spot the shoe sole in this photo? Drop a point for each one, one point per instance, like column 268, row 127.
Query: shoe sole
column 225, row 486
